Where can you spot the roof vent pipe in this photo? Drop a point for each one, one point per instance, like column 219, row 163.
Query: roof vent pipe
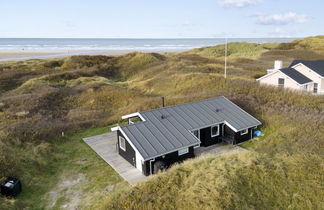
column 162, row 100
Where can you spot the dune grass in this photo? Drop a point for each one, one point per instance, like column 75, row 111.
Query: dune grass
column 238, row 181
column 236, row 49
column 41, row 98
column 49, row 165
column 284, row 171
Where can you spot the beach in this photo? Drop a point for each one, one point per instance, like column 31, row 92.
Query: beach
column 16, row 55
column 12, row 49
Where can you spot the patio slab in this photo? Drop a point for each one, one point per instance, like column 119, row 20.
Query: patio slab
column 105, row 146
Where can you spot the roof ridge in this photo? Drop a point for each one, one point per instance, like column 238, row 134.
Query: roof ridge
column 161, row 108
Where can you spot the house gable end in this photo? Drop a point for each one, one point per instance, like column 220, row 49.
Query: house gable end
column 306, row 66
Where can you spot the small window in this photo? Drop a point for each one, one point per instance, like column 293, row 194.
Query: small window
column 281, row 82
column 183, row 151
column 215, row 131
column 305, row 87
column 245, row 131
column 122, row 143
column 315, row 88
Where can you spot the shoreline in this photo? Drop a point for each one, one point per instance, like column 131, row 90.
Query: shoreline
column 15, row 55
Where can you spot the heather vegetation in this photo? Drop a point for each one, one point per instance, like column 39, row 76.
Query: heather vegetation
column 82, row 95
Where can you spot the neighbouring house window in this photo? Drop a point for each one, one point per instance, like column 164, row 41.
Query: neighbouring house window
column 245, row 131
column 183, row 151
column 122, row 143
column 196, row 133
column 305, row 87
column 315, row 88
column 214, row 131
column 281, row 82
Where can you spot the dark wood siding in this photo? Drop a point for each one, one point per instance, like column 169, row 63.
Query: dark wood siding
column 236, row 136
column 241, row 138
column 228, row 132
column 169, row 159
column 146, row 168
column 129, row 154
column 206, row 139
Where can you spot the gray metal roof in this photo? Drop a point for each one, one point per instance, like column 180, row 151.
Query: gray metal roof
column 315, row 65
column 168, row 129
column 295, row 75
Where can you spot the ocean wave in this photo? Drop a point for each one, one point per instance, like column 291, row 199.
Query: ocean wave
column 116, row 44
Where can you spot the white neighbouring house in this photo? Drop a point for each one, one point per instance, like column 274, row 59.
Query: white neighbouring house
column 301, row 75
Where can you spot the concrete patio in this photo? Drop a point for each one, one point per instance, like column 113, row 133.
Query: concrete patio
column 105, row 146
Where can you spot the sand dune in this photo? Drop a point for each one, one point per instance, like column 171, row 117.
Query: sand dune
column 25, row 55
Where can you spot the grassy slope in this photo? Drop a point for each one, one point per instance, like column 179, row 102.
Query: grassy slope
column 246, row 181
column 59, row 162
column 41, row 98
column 286, row 172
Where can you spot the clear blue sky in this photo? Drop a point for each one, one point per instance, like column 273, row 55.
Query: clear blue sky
column 160, row 18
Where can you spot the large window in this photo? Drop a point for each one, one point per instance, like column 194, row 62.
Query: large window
column 281, row 82
column 215, row 131
column 315, row 88
column 122, row 143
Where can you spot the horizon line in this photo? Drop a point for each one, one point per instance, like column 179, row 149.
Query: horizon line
column 154, row 37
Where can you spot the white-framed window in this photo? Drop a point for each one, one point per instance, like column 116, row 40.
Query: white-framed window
column 245, row 131
column 315, row 88
column 183, row 151
column 281, row 82
column 215, row 131
column 122, row 143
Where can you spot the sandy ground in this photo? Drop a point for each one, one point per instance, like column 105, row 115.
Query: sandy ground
column 25, row 55
column 72, row 192
column 68, row 188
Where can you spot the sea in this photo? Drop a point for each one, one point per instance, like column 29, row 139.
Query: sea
column 63, row 44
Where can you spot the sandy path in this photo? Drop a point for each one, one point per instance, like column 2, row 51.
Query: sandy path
column 69, row 188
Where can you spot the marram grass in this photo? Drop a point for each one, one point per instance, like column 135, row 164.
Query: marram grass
column 41, row 98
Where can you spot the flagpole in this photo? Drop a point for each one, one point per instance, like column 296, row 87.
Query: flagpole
column 225, row 72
